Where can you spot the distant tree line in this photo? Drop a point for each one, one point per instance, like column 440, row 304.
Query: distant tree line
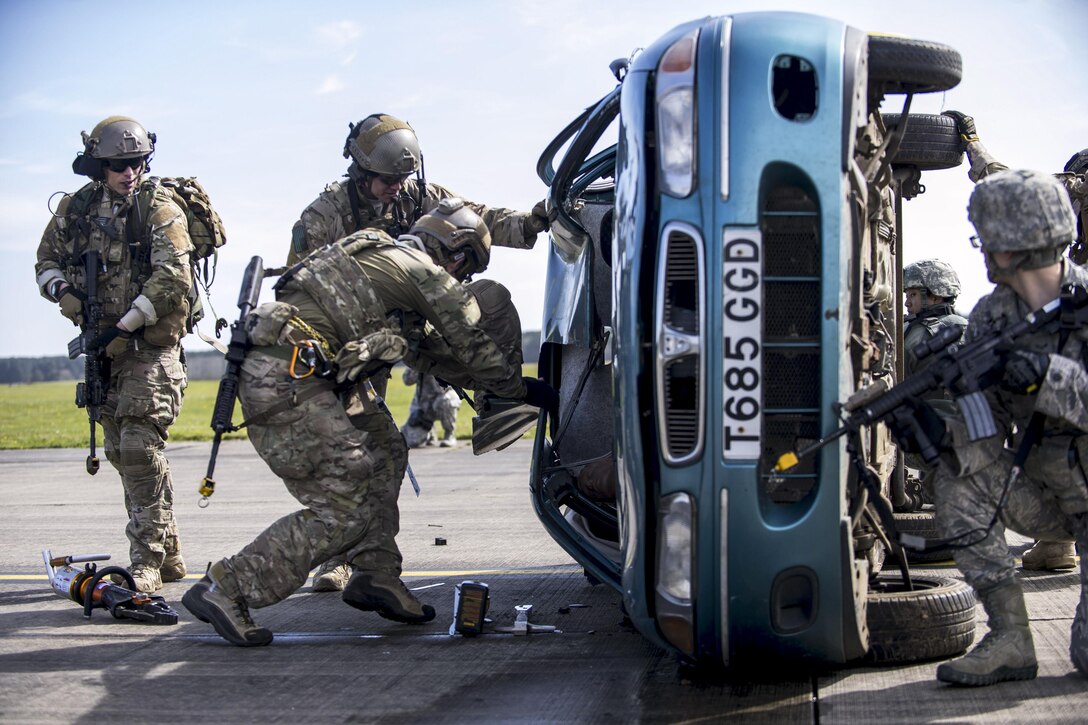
column 201, row 365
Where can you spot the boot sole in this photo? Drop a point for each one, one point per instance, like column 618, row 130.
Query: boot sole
column 201, row 610
column 1062, row 564
column 373, row 604
column 1001, row 674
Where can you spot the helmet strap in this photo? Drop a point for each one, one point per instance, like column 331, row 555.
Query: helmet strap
column 994, row 271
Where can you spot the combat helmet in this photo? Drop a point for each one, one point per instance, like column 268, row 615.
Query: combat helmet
column 1077, row 163
column 451, row 232
column 934, row 276
column 1024, row 212
column 382, row 144
column 116, row 137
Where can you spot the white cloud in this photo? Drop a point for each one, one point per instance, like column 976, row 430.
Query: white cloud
column 331, row 84
column 340, row 34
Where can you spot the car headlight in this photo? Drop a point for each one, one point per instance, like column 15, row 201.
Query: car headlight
column 675, row 547
column 675, row 102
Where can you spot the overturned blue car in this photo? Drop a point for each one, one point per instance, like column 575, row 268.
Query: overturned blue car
column 724, row 268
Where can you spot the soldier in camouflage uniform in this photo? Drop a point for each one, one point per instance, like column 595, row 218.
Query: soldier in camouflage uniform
column 457, row 239
column 143, row 287
column 364, row 303
column 1024, row 222
column 931, row 287
column 432, row 402
column 380, row 193
column 1043, row 555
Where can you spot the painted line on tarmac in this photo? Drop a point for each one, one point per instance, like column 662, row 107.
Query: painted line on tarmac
column 423, row 574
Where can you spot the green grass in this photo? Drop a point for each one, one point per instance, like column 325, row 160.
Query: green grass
column 44, row 415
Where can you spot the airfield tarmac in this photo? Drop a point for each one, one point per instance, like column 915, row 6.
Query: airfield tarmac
column 332, row 663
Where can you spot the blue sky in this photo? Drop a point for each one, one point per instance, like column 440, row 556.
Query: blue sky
column 255, row 98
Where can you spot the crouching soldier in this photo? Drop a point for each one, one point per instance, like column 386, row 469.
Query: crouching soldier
column 457, row 240
column 1024, row 222
column 360, row 304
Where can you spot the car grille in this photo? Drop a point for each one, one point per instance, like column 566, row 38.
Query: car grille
column 791, row 337
column 680, row 302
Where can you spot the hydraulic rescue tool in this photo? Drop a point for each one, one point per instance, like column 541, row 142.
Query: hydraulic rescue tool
column 89, row 587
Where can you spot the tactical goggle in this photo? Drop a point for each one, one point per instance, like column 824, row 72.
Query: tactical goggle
column 119, row 165
column 391, row 180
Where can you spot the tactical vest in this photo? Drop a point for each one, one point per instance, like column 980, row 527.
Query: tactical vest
column 339, row 286
column 206, row 233
column 86, row 227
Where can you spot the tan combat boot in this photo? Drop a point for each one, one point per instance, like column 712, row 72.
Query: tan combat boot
column 377, row 591
column 173, row 567
column 1006, row 652
column 1050, row 556
column 208, row 602
column 332, row 576
column 146, row 577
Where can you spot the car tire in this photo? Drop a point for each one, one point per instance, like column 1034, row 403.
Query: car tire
column 930, row 143
column 906, row 65
column 936, row 620
column 923, row 524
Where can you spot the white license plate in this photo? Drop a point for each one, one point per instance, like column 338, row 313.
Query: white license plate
column 742, row 343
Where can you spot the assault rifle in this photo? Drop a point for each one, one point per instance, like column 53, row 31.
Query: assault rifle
column 236, row 355
column 965, row 371
column 91, row 393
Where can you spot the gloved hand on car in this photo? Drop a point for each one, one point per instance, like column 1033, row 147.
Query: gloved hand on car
column 541, row 395
column 964, row 124
column 538, row 219
column 538, row 393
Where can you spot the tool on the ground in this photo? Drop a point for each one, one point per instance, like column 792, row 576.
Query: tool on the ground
column 89, row 587
column 470, row 603
column 523, row 626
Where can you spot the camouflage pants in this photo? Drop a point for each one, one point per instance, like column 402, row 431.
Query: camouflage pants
column 966, row 504
column 431, row 402
column 346, row 472
column 146, row 388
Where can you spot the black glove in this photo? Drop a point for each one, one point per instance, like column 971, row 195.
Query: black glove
column 964, row 124
column 929, row 424
column 538, row 393
column 538, row 220
column 1024, row 370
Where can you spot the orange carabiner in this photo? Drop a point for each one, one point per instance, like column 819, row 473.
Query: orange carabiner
column 294, row 361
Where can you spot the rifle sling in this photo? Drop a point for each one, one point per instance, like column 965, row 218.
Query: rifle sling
column 353, row 198
column 285, row 404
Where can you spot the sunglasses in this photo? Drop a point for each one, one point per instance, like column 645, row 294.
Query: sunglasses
column 119, row 165
column 391, row 180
